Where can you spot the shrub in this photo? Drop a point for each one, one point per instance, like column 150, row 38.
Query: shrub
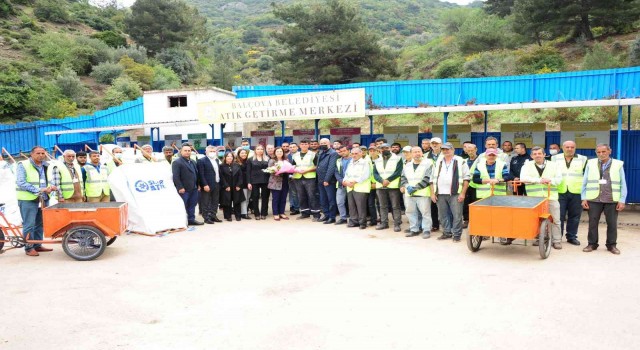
column 265, row 62
column 15, row 94
column 179, row 61
column 62, row 108
column 107, row 72
column 101, row 52
column 6, row 9
column 599, row 58
column 545, row 58
column 121, row 90
column 54, row 49
column 141, row 73
column 70, row 85
column 52, row 11
column 634, row 52
column 164, row 78
column 111, row 38
column 135, row 52
column 449, row 68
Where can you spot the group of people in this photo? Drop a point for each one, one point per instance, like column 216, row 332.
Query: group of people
column 353, row 185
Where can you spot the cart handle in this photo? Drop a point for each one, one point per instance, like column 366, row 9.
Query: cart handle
column 517, row 183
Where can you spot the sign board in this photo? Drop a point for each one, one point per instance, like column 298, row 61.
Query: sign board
column 123, row 141
column 263, row 137
column 303, row 134
column 233, row 139
column 171, row 139
column 585, row 135
column 404, row 135
column 199, row 140
column 347, row 136
column 531, row 134
column 456, row 133
column 348, row 103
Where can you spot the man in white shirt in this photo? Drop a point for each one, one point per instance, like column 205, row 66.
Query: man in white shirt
column 449, row 183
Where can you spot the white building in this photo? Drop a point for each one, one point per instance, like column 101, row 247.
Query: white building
column 164, row 106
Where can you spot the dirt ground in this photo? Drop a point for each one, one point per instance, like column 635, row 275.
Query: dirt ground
column 303, row 285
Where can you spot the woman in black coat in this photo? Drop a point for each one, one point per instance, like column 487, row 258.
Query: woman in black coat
column 231, row 181
column 242, row 160
column 257, row 181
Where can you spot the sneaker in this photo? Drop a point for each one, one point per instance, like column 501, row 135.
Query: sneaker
column 381, row 227
column 426, row 235
column 443, row 237
column 411, row 234
column 396, row 228
column 341, row 222
column 456, row 239
column 465, row 224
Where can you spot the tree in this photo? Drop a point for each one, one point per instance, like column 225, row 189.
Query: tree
column 634, row 52
column 178, row 61
column 581, row 16
column 501, row 8
column 160, row 24
column 328, row 43
column 599, row 58
column 533, row 18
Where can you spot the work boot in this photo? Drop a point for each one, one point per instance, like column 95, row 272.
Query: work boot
column 382, row 226
column 396, row 228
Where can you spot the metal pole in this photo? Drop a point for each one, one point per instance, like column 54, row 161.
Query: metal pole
column 486, row 117
column 444, row 127
column 370, row 125
column 317, row 132
column 222, row 134
column 213, row 133
column 151, row 139
column 629, row 117
column 282, row 127
column 619, row 149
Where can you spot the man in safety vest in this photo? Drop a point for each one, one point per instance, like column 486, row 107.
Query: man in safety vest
column 358, row 185
column 373, row 204
column 490, row 171
column 471, row 151
column 116, row 161
column 387, row 170
column 604, row 189
column 434, row 154
column 342, row 164
column 572, row 167
column 449, row 183
column 538, row 175
column 31, row 187
column 414, row 184
column 94, row 176
column 306, row 162
column 67, row 177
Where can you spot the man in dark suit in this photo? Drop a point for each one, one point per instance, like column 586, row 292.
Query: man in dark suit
column 185, row 178
column 327, row 181
column 209, row 176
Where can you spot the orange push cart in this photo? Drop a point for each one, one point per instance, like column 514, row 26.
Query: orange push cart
column 83, row 229
column 510, row 217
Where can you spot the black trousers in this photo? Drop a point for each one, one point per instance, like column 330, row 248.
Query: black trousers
column 358, row 207
column 610, row 215
column 260, row 192
column 373, row 207
column 469, row 198
column 209, row 202
column 234, row 210
column 390, row 196
column 307, row 189
column 435, row 221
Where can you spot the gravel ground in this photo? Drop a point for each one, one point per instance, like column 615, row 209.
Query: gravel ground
column 303, row 285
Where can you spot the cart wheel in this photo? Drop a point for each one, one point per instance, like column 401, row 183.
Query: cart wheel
column 1, row 238
column 473, row 242
column 544, row 239
column 111, row 240
column 84, row 243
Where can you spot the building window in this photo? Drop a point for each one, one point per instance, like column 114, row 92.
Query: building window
column 177, row 101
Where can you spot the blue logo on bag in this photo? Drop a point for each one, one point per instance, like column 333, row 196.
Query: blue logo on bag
column 151, row 185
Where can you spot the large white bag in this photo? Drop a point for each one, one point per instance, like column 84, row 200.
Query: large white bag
column 8, row 197
column 154, row 203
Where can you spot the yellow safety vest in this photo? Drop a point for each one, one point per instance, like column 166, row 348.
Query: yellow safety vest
column 33, row 177
column 484, row 190
column 415, row 176
column 472, row 170
column 354, row 171
column 539, row 190
column 386, row 171
column 304, row 163
column 66, row 180
column 96, row 183
column 593, row 185
column 436, row 172
column 339, row 167
column 571, row 176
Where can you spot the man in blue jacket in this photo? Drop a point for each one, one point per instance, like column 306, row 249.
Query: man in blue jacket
column 327, row 181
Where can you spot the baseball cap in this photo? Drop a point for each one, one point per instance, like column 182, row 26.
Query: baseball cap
column 406, row 149
column 491, row 151
column 384, row 145
column 436, row 140
column 447, row 145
